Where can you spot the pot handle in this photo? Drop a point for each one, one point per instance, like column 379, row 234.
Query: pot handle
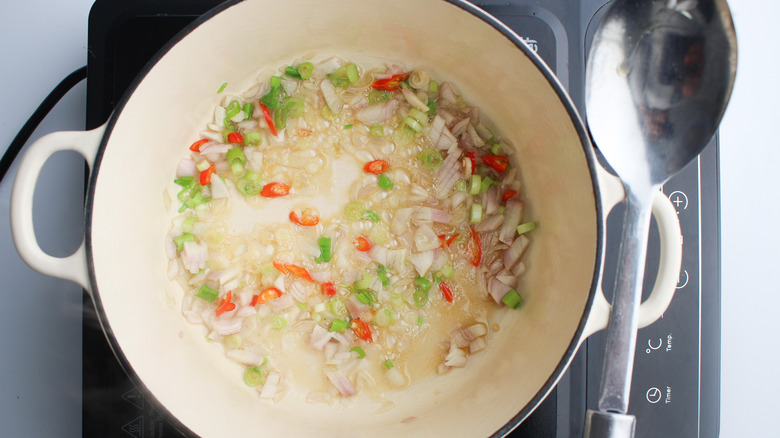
column 74, row 266
column 669, row 265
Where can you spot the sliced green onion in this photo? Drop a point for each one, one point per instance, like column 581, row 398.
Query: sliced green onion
column 370, row 215
column 248, row 110
column 475, row 184
column 365, row 281
column 276, row 97
column 384, row 182
column 295, row 107
column 361, row 354
column 337, row 307
column 345, row 75
column 396, row 300
column 419, row 116
column 232, row 109
column 237, row 169
column 433, row 87
column 500, row 209
column 280, row 118
column 447, row 272
column 419, row 320
column 179, row 240
column 276, row 81
column 278, row 322
column 388, row 364
column 305, row 70
column 203, row 165
column 378, row 96
column 235, row 155
column 422, row 283
column 363, row 297
column 497, row 149
column 249, row 184
column 381, row 272
column 476, row 213
column 186, row 226
column 412, row 123
column 254, row 376
column 431, row 158
column 460, row 185
column 349, row 126
column 325, row 250
column 403, row 134
column 184, row 181
column 376, row 131
column 354, row 210
column 338, row 325
column 526, row 227
column 444, row 273
column 512, row 299
column 292, row 72
column 383, row 317
column 420, row 297
column 222, row 87
column 353, row 75
column 253, row 138
column 431, row 108
column 487, row 182
column 207, row 293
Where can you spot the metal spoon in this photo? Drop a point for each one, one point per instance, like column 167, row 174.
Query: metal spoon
column 658, row 78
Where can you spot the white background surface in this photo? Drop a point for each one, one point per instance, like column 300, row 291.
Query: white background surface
column 41, row 41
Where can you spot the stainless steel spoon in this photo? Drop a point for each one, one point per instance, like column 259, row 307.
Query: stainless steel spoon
column 658, row 78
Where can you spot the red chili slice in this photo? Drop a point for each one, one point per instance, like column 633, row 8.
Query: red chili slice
column 508, row 195
column 376, row 167
column 225, row 305
column 362, row 244
column 497, row 162
column 274, row 190
column 474, row 248
column 361, row 330
column 329, row 289
column 268, row 118
column 205, row 176
column 446, row 291
column 308, row 218
column 235, row 137
column 299, row 272
column 265, row 296
column 445, row 242
column 195, row 147
column 282, row 267
column 390, row 84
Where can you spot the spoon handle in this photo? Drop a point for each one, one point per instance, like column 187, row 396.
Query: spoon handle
column 621, row 333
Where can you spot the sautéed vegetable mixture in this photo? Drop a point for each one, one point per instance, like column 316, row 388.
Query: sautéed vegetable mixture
column 345, row 229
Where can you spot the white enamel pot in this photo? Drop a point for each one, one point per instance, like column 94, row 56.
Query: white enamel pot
column 123, row 263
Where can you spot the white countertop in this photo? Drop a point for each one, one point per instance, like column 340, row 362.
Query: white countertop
column 40, row 369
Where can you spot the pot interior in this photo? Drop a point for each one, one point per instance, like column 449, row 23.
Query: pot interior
column 128, row 220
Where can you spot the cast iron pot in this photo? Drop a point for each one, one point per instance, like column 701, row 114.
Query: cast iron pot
column 123, row 264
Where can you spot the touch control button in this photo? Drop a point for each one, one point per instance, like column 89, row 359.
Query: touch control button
column 680, row 200
column 653, row 395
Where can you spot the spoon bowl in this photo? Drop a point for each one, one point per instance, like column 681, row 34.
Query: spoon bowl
column 658, row 79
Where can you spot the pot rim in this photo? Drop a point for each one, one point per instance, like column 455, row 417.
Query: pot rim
column 565, row 100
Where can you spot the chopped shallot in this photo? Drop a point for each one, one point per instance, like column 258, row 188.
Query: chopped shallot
column 513, row 213
column 379, row 113
column 194, row 256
